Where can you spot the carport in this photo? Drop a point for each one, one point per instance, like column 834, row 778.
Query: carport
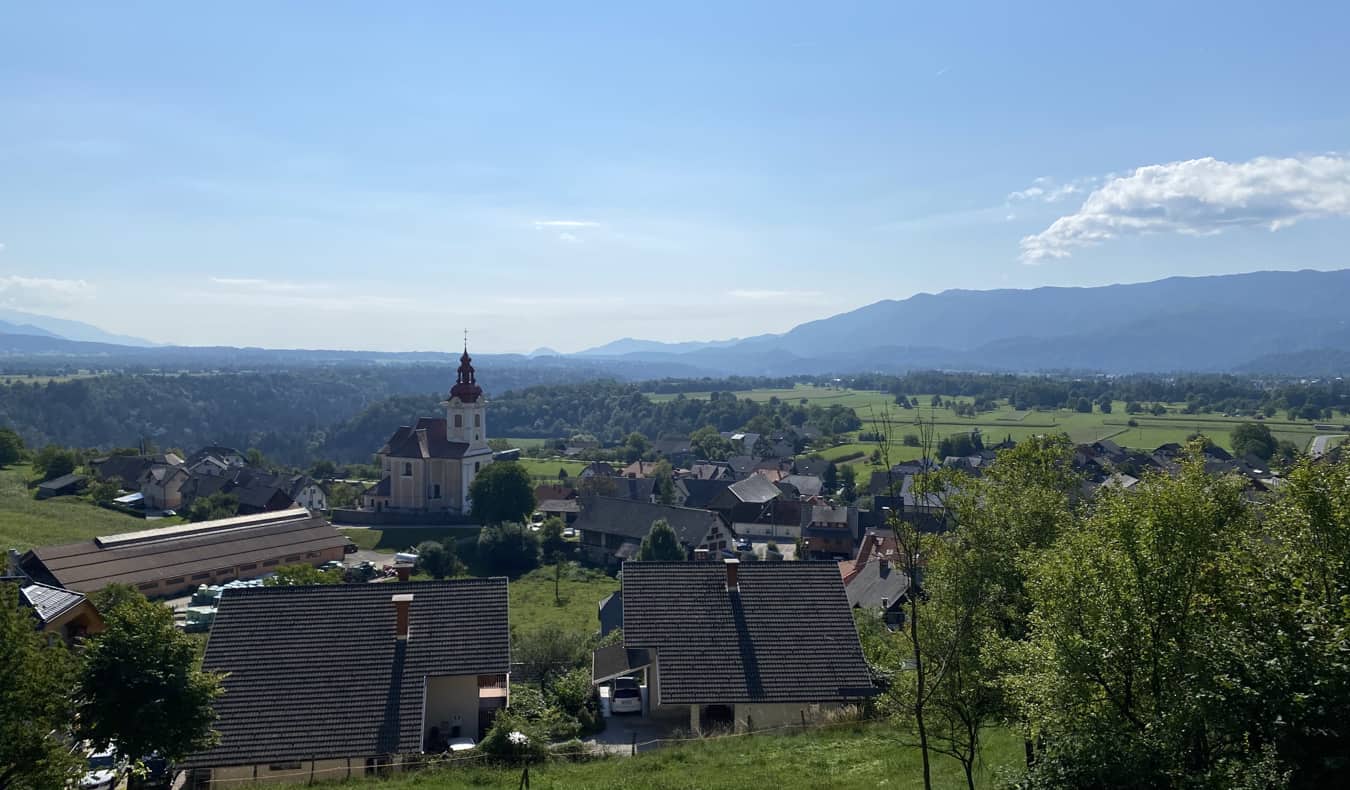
column 617, row 661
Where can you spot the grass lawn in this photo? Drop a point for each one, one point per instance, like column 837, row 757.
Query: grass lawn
column 395, row 539
column 547, row 468
column 533, row 604
column 851, row 757
column 25, row 522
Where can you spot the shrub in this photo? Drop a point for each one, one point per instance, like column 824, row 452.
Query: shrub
column 515, row 739
column 508, row 548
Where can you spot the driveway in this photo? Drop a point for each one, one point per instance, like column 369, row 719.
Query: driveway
column 1320, row 444
column 624, row 729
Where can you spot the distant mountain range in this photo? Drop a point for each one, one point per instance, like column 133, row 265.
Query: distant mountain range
column 1283, row 323
column 1259, row 322
column 17, row 322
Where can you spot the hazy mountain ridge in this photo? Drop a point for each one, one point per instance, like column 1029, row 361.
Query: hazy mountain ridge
column 65, row 329
column 1286, row 323
column 1223, row 322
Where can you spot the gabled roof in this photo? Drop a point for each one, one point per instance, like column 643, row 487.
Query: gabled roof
column 700, row 493
column 806, row 485
column 426, row 439
column 753, row 490
column 62, row 482
column 786, row 635
column 46, row 601
column 632, row 519
column 876, row 581
column 181, row 550
column 316, row 672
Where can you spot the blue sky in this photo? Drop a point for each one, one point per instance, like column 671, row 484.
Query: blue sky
column 350, row 175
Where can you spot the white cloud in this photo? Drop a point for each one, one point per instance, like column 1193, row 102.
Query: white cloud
column 18, row 291
column 1047, row 190
column 754, row 295
column 1200, row 197
column 569, row 237
column 546, row 224
column 270, row 286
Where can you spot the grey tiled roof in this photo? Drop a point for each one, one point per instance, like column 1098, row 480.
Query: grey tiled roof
column 315, row 672
column 787, row 635
column 49, row 602
column 632, row 519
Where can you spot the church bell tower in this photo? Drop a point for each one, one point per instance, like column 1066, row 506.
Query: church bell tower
column 466, row 408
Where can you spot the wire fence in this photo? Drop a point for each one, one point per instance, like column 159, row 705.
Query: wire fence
column 593, row 751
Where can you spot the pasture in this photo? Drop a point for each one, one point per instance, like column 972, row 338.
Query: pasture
column 879, row 413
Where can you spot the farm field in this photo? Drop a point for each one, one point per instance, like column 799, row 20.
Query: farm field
column 845, row 756
column 25, row 522
column 546, row 469
column 1150, row 431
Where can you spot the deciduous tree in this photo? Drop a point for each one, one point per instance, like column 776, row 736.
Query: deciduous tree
column 661, row 544
column 502, row 493
column 37, row 674
column 140, row 689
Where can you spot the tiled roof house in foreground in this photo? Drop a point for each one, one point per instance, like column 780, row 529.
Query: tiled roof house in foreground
column 353, row 679
column 745, row 646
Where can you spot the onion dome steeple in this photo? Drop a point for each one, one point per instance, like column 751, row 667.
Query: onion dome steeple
column 466, row 385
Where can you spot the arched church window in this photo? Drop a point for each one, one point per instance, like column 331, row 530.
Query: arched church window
column 459, row 420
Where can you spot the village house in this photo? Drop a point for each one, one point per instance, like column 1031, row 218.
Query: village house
column 161, row 487
column 328, row 682
column 67, row 614
column 428, row 468
column 174, row 560
column 726, row 645
column 612, row 529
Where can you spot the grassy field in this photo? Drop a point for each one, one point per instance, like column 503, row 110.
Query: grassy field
column 25, row 522
column 1005, row 421
column 533, row 604
column 851, row 757
column 547, row 468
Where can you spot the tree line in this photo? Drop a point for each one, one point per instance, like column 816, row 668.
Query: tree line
column 1177, row 635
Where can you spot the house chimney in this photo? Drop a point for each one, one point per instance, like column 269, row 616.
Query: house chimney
column 884, row 565
column 402, row 603
column 700, row 555
column 885, row 602
column 733, row 565
column 404, row 572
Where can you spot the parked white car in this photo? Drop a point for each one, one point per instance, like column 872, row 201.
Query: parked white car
column 101, row 773
column 626, row 696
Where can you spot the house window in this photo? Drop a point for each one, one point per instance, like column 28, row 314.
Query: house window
column 407, row 469
column 459, row 420
column 311, row 554
column 436, row 491
column 269, row 563
column 477, row 420
column 293, row 558
column 250, row 566
column 172, row 582
column 147, row 585
column 200, row 576
column 476, row 465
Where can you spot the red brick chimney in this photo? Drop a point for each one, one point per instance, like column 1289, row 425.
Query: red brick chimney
column 404, row 572
column 700, row 555
column 733, row 566
column 402, row 603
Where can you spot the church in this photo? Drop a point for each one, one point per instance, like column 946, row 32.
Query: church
column 428, row 467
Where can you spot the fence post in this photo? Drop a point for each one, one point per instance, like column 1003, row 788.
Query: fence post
column 635, row 743
column 749, row 723
column 803, row 712
column 525, row 779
